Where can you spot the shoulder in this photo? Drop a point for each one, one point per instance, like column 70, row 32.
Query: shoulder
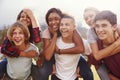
column 33, row 46
column 46, row 33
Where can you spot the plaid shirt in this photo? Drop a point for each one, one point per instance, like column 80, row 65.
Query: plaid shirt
column 10, row 50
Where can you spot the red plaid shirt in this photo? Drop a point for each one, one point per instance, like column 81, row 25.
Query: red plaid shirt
column 10, row 50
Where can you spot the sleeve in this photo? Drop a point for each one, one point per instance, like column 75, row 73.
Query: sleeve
column 87, row 47
column 46, row 34
column 91, row 36
column 36, row 35
column 8, row 49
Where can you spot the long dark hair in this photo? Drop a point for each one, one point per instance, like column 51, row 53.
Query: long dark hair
column 29, row 27
column 52, row 10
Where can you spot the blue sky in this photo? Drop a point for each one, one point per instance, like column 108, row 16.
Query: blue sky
column 9, row 9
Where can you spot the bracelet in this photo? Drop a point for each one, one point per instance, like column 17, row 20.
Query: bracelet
column 59, row 51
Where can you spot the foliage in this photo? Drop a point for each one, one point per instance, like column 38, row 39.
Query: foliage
column 3, row 34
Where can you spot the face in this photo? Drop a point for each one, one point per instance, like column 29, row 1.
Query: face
column 66, row 27
column 25, row 19
column 89, row 17
column 18, row 37
column 54, row 21
column 104, row 29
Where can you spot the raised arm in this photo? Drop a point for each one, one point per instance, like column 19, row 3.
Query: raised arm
column 79, row 47
column 49, row 47
column 35, row 25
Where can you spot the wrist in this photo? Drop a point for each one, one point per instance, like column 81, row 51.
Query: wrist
column 116, row 44
column 59, row 51
column 22, row 54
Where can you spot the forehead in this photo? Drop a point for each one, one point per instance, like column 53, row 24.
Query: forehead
column 102, row 21
column 89, row 12
column 23, row 13
column 69, row 20
column 16, row 29
column 54, row 14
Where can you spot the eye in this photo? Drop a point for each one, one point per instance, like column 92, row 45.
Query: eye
column 49, row 20
column 20, row 32
column 67, row 24
column 61, row 24
column 104, row 25
column 22, row 16
column 97, row 26
column 57, row 19
column 14, row 33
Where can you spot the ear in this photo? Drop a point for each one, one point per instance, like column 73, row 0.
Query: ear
column 74, row 27
column 114, row 27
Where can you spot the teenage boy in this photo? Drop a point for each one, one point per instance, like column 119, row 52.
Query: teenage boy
column 106, row 30
column 66, row 64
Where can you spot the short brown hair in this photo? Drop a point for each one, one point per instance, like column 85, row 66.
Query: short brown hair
column 107, row 15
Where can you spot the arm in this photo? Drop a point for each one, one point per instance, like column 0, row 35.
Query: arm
column 35, row 25
column 8, row 49
column 112, row 77
column 79, row 47
column 108, row 51
column 49, row 47
column 99, row 54
column 29, row 54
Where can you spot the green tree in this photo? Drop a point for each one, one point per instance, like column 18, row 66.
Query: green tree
column 3, row 34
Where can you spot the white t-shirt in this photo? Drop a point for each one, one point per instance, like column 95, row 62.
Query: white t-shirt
column 91, row 36
column 66, row 64
column 20, row 67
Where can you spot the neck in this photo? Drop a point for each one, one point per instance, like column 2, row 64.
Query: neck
column 108, row 41
column 23, row 47
column 67, row 39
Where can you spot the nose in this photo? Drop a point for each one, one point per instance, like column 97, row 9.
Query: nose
column 17, row 34
column 100, row 28
column 24, row 18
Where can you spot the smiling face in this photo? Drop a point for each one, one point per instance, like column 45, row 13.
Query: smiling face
column 104, row 29
column 54, row 21
column 89, row 15
column 19, row 34
column 25, row 19
column 18, row 37
column 67, row 26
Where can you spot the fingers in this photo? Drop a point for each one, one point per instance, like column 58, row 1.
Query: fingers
column 28, row 12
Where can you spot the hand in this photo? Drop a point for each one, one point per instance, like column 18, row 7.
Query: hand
column 54, row 69
column 29, row 54
column 32, row 53
column 117, row 41
column 40, row 60
column 28, row 12
column 78, row 72
column 112, row 77
column 52, row 31
column 56, row 49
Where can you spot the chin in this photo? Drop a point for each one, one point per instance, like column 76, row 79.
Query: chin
column 102, row 38
column 65, row 36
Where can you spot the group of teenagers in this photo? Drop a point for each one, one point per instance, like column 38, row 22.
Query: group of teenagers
column 63, row 47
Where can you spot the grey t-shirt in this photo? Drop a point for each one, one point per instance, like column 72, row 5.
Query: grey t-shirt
column 91, row 36
column 20, row 67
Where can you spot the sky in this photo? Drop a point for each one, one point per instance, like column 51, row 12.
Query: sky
column 9, row 9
